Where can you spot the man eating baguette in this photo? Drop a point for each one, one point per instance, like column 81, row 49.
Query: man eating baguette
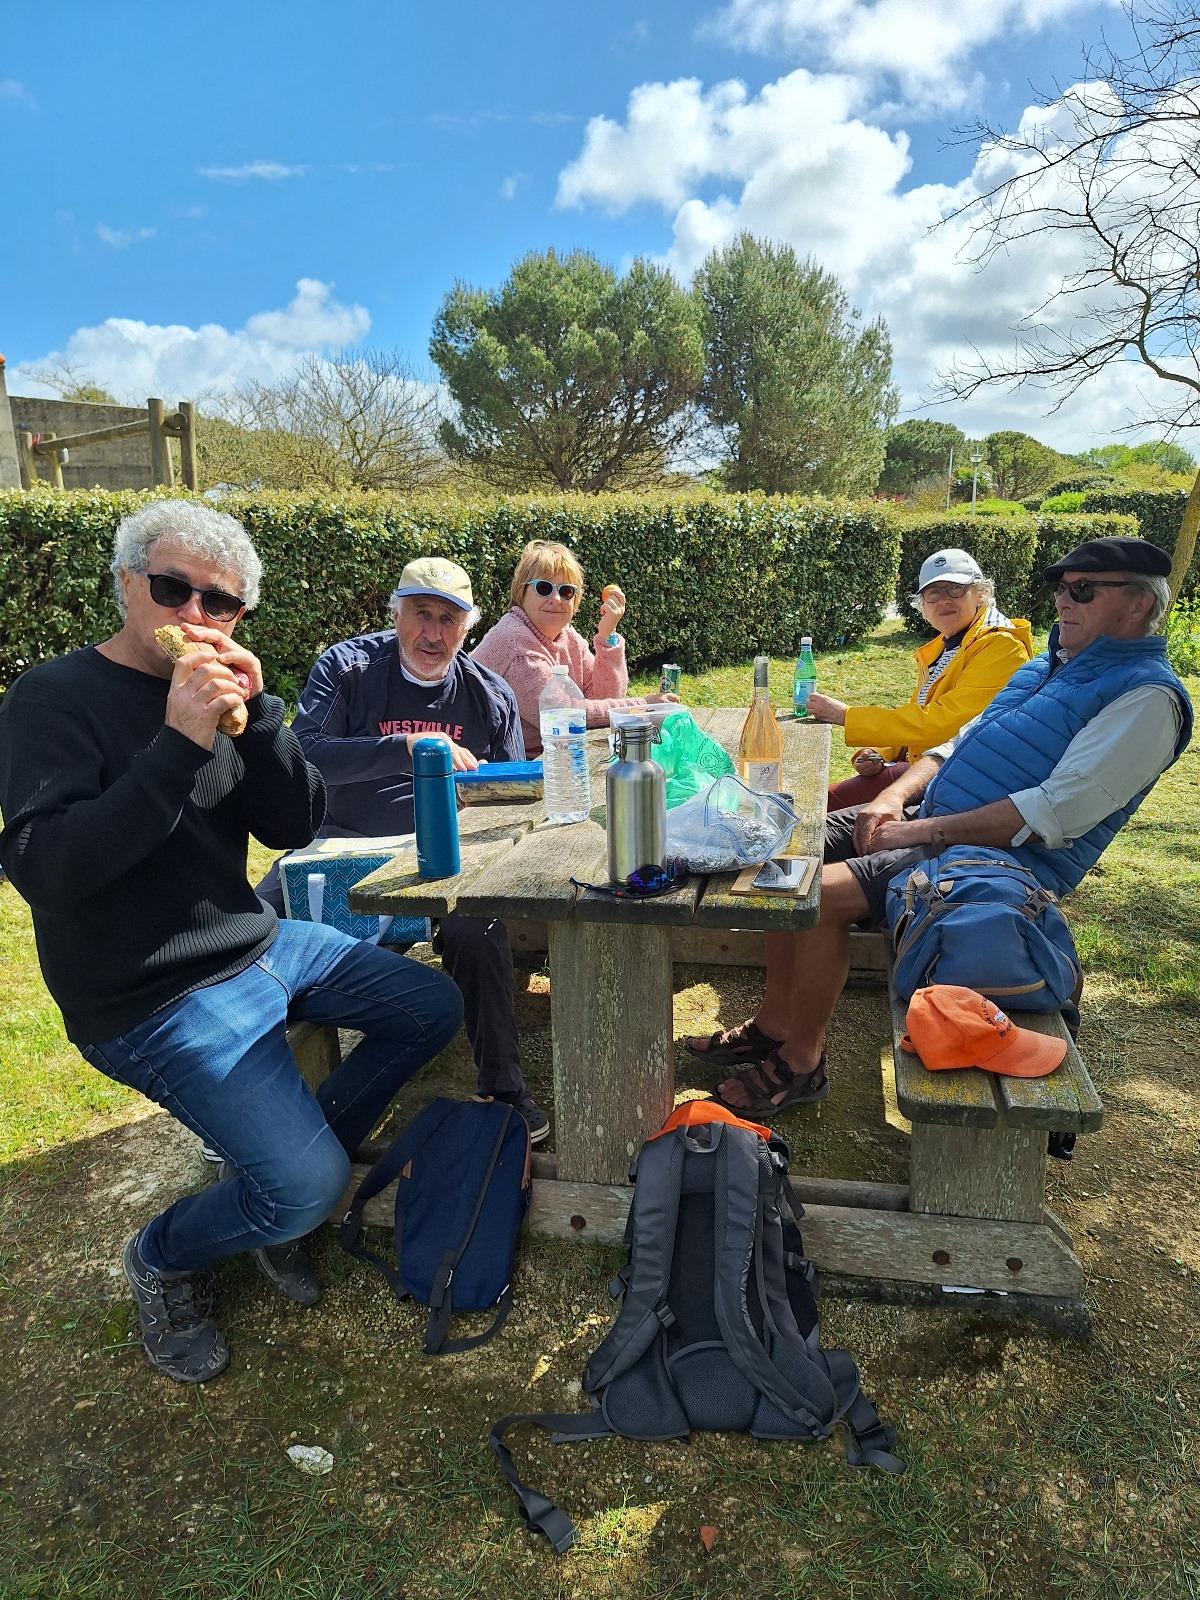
column 127, row 815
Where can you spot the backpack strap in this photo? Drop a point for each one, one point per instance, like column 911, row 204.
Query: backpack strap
column 542, row 1515
column 441, row 1295
column 653, row 1215
column 736, row 1222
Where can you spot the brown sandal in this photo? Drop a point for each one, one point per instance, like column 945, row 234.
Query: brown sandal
column 767, row 1078
column 735, row 1046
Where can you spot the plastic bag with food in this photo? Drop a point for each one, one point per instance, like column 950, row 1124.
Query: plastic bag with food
column 729, row 827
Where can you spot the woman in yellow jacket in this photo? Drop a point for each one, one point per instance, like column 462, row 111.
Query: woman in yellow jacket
column 975, row 652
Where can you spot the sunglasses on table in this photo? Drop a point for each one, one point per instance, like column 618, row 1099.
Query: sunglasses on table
column 174, row 592
column 643, row 884
column 544, row 588
column 1083, row 590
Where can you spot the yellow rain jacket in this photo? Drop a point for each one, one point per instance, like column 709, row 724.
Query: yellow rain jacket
column 989, row 655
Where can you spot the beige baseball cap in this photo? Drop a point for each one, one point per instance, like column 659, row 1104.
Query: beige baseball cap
column 433, row 575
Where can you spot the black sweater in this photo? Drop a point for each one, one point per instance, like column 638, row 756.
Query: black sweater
column 129, row 840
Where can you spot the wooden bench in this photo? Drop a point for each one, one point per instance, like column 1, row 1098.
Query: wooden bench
column 978, row 1154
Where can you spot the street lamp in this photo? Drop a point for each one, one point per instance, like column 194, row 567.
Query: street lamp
column 976, row 458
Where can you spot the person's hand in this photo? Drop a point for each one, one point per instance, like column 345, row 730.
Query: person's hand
column 824, row 708
column 902, row 835
column 660, row 699
column 871, row 818
column 612, row 609
column 202, row 689
column 867, row 763
column 235, row 656
column 461, row 759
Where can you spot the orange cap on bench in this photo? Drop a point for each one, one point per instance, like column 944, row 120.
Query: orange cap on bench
column 952, row 1027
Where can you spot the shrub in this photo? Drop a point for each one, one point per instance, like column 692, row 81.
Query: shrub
column 1012, row 551
column 710, row 578
column 992, row 507
column 1183, row 637
column 1069, row 500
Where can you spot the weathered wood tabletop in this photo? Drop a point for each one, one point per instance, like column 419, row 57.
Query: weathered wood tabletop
column 610, row 959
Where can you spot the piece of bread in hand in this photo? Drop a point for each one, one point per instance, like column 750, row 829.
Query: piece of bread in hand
column 176, row 643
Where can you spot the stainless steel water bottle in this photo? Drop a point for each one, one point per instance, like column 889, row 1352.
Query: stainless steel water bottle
column 636, row 795
column 435, row 809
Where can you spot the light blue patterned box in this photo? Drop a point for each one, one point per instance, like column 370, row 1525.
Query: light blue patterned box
column 341, row 863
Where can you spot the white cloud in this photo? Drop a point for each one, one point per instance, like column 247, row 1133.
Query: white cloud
column 802, row 162
column 508, row 189
column 267, row 171
column 122, row 238
column 16, row 94
column 923, row 45
column 134, row 359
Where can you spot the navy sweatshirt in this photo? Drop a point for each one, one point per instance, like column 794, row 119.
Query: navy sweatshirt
column 356, row 714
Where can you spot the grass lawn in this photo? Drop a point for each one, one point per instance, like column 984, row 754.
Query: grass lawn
column 1038, row 1465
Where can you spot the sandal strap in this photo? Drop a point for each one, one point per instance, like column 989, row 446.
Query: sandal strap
column 781, row 1070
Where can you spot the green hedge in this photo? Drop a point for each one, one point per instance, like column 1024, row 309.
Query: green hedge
column 710, row 578
column 1012, row 551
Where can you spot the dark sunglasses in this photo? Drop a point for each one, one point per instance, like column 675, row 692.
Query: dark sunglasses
column 173, row 593
column 643, row 884
column 543, row 587
column 1083, row 590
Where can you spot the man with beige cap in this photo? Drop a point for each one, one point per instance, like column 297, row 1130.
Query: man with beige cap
column 366, row 703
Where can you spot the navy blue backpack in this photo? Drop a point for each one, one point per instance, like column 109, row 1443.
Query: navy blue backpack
column 976, row 917
column 462, row 1191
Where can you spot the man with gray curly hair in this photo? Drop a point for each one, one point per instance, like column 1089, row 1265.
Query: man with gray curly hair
column 127, row 817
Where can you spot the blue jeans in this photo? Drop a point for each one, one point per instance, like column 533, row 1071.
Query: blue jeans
column 219, row 1061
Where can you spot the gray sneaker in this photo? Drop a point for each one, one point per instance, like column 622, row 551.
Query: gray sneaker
column 288, row 1267
column 178, row 1336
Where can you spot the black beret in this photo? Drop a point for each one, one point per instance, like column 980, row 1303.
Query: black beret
column 1112, row 555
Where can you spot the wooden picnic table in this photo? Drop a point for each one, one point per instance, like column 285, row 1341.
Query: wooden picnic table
column 610, row 959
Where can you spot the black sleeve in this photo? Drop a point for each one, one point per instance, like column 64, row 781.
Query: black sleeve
column 282, row 794
column 64, row 832
column 322, row 725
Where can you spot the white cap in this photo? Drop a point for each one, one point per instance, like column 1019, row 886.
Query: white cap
column 949, row 566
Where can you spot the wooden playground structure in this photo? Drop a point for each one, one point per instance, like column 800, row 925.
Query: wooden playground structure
column 160, row 425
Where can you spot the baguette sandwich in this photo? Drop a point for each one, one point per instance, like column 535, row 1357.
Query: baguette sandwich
column 176, row 644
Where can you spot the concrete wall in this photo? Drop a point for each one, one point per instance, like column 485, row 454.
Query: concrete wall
column 10, row 466
column 119, row 464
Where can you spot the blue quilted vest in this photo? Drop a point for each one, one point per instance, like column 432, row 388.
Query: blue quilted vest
column 1027, row 728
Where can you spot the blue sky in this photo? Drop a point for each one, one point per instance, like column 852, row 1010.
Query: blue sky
column 197, row 195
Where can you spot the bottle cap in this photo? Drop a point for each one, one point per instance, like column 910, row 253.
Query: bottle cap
column 431, row 758
column 806, row 640
column 558, row 670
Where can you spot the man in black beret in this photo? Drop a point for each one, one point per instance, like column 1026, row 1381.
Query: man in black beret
column 1049, row 772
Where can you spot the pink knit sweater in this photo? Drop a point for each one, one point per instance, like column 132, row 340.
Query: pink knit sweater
column 524, row 658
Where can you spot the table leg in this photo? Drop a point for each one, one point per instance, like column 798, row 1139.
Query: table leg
column 614, row 1061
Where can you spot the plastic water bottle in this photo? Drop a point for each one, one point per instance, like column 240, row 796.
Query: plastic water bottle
column 805, row 680
column 563, row 720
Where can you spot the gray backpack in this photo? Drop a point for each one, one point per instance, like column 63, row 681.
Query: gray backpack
column 717, row 1327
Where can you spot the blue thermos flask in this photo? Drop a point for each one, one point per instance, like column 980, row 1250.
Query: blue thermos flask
column 436, row 809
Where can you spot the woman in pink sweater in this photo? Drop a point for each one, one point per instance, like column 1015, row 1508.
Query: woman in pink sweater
column 535, row 635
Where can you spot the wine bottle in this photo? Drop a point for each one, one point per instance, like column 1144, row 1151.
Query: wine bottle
column 760, row 748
